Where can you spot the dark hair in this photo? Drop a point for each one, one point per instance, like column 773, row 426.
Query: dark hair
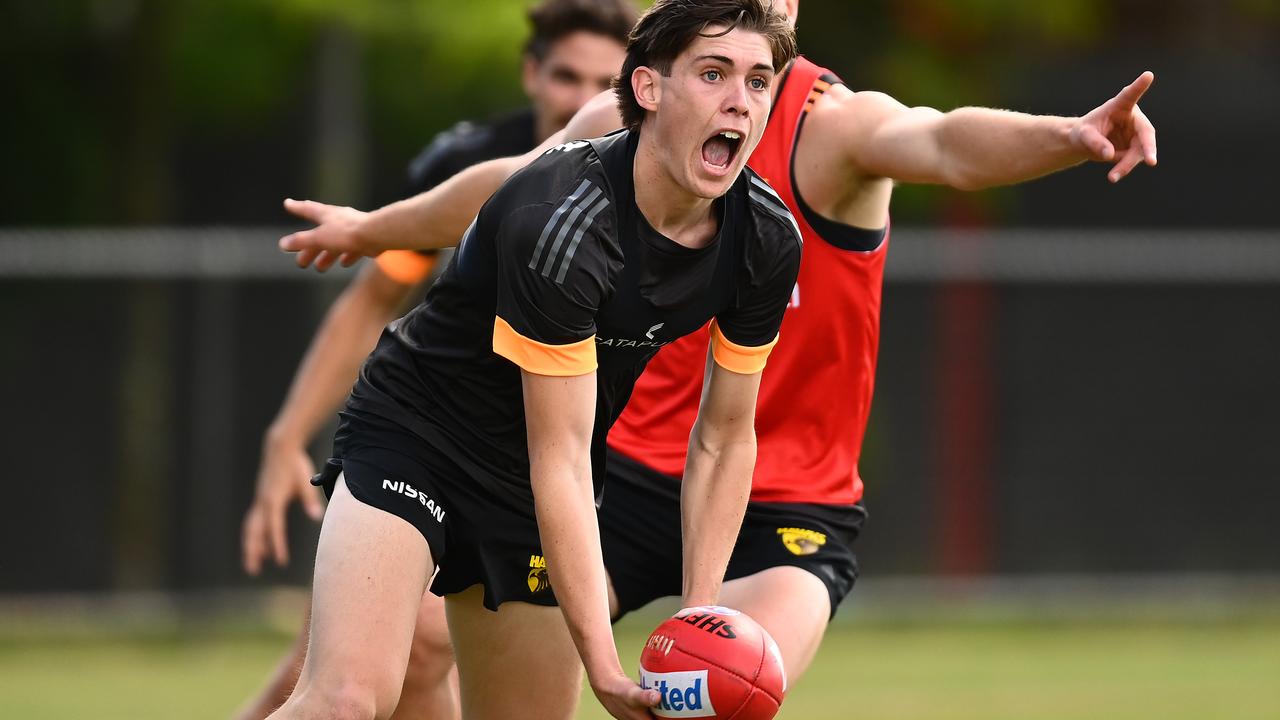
column 670, row 26
column 552, row 20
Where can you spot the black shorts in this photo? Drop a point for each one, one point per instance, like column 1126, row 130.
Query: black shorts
column 474, row 539
column 640, row 536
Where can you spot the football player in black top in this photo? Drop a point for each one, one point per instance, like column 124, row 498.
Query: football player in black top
column 480, row 418
column 574, row 51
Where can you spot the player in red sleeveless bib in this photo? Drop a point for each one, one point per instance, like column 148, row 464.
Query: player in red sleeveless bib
column 831, row 156
column 806, row 510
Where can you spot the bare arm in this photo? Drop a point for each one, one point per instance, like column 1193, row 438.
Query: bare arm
column 717, row 479
column 560, row 416
column 975, row 148
column 324, row 377
column 433, row 219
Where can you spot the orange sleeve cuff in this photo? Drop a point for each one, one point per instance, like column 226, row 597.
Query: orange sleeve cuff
column 738, row 358
column 541, row 359
column 406, row 266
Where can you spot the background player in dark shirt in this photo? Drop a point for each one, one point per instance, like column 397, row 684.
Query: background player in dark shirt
column 574, row 51
column 643, row 230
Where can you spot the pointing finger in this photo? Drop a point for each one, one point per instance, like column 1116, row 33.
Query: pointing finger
column 306, row 209
column 1129, row 96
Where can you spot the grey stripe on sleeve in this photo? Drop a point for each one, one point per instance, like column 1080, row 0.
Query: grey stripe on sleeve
column 555, row 217
column 577, row 238
column 780, row 211
column 755, row 180
column 566, row 227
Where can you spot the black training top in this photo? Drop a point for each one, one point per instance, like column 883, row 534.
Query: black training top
column 451, row 152
column 560, row 274
column 467, row 144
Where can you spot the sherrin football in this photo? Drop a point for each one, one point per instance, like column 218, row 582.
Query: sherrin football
column 713, row 662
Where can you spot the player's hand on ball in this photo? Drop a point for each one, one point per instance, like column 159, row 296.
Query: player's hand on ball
column 284, row 476
column 622, row 697
column 1118, row 131
column 335, row 238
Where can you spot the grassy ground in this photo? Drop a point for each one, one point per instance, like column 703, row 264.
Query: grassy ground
column 867, row 670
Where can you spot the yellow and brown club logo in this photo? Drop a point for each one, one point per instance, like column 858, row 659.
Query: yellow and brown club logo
column 538, row 578
column 801, row 541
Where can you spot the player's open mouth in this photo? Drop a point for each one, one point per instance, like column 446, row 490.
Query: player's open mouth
column 720, row 149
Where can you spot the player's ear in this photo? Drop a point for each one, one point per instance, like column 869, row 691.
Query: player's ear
column 529, row 75
column 644, row 83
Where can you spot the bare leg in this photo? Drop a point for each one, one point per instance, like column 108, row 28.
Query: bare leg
column 518, row 662
column 431, row 682
column 371, row 571
column 792, row 604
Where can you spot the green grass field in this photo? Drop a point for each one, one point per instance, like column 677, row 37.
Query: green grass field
column 866, row 670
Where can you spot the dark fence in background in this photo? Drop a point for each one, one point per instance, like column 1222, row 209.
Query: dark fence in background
column 1061, row 401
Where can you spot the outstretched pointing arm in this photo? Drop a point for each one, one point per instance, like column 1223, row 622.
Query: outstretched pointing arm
column 433, row 219
column 975, row 148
